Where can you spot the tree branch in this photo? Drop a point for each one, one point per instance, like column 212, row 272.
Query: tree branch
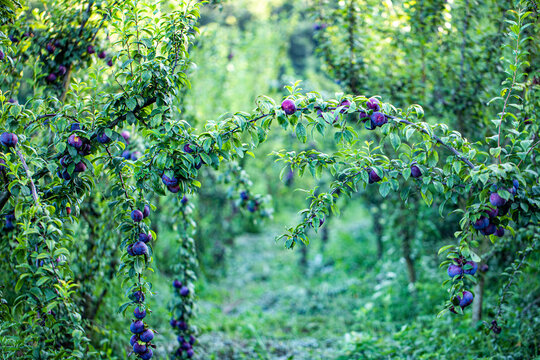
column 32, row 186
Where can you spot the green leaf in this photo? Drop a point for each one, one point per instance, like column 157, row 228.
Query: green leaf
column 301, row 132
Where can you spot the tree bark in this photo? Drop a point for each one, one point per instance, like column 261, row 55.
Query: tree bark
column 478, row 298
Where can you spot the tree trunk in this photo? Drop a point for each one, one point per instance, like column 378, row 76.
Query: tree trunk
column 478, row 298
column 406, row 244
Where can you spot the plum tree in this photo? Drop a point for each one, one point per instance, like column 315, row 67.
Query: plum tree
column 442, row 163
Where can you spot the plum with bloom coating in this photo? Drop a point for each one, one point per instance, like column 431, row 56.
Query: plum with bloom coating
column 184, row 291
column 378, row 118
column 472, row 270
column 9, row 139
column 374, row 177
column 90, row 49
column 147, row 335
column 481, row 223
column 146, row 211
column 454, row 270
column 138, row 313
column 466, row 300
column 147, row 355
column 137, row 327
column 499, row 232
column 288, row 106
column 169, row 181
column 138, row 348
column 75, row 141
column 177, row 284
column 140, row 248
column 489, row 230
column 496, row 200
column 415, row 171
column 51, row 77
column 373, row 104
column 103, row 139
column 134, row 339
column 137, row 215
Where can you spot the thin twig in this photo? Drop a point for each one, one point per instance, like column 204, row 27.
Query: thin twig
column 32, row 186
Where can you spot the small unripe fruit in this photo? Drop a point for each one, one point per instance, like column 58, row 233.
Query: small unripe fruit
column 288, row 106
column 177, row 284
column 496, row 200
column 472, row 270
column 137, row 327
column 62, row 70
column 75, row 141
column 378, row 118
column 147, row 335
column 373, row 177
column 90, row 49
column 102, row 55
column 138, row 348
column 137, row 215
column 184, row 291
column 147, row 355
column 415, row 171
column 139, row 314
column 9, row 139
column 481, row 223
column 140, row 248
column 499, row 232
column 373, row 104
column 146, row 211
column 454, row 270
column 466, row 300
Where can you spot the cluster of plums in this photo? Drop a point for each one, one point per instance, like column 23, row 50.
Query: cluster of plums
column 127, row 154
column 102, row 54
column 488, row 223
column 139, row 247
column 62, row 69
column 142, row 336
column 83, row 147
column 460, row 268
column 185, row 349
column 252, row 205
